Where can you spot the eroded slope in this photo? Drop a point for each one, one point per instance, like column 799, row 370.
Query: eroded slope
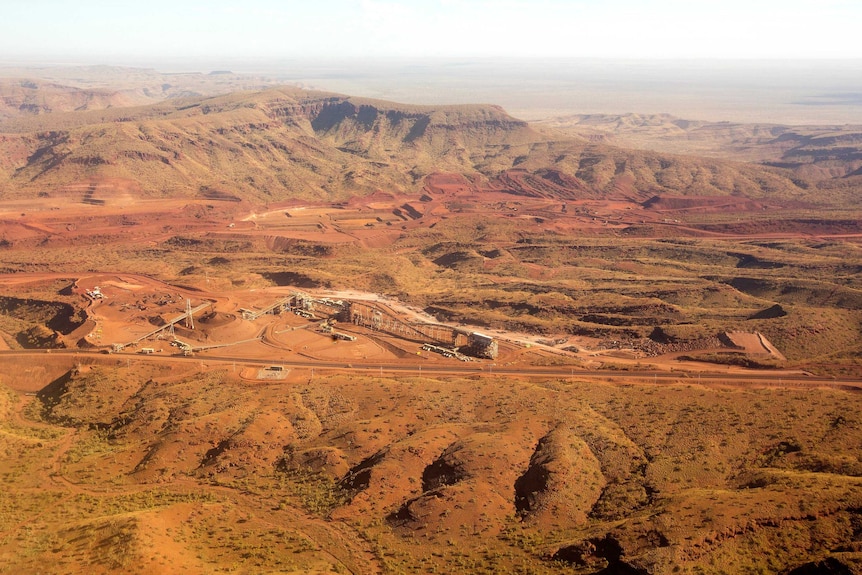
column 414, row 474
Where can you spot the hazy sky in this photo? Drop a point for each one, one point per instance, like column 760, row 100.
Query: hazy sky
column 123, row 32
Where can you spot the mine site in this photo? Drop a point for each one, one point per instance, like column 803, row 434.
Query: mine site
column 140, row 314
column 250, row 324
column 232, row 384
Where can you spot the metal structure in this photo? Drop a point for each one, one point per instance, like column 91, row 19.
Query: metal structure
column 279, row 306
column 189, row 349
column 189, row 314
column 302, row 305
column 482, row 345
column 328, row 326
column 95, row 293
column 380, row 318
column 303, row 301
column 190, row 318
column 445, row 352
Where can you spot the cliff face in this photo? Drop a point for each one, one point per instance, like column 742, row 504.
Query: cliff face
column 290, row 143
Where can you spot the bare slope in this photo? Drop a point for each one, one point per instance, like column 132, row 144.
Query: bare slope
column 835, row 149
column 286, row 142
column 29, row 98
column 828, row 154
column 377, row 475
column 33, row 91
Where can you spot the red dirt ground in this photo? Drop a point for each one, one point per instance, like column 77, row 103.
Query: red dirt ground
column 64, row 218
column 135, row 305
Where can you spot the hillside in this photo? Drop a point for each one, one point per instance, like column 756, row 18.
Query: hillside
column 32, row 91
column 29, row 98
column 813, row 152
column 286, row 331
column 286, row 143
column 140, row 467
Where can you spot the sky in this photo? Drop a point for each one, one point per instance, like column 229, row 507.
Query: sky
column 153, row 31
